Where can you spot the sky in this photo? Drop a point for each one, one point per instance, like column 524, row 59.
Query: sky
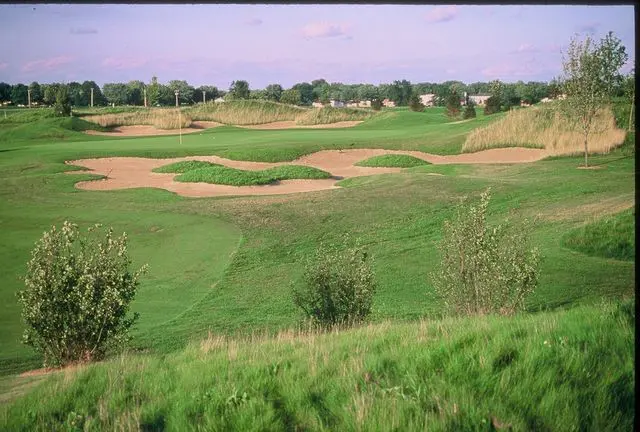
column 215, row 44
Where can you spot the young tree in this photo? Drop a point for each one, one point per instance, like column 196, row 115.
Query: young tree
column 453, row 105
column 273, row 92
column 492, row 105
column 50, row 92
column 77, row 295
column 291, row 97
column 306, row 92
column 376, row 104
column 469, row 110
column 415, row 104
column 239, row 90
column 19, row 94
column 630, row 92
column 153, row 92
column 589, row 69
column 36, row 92
column 62, row 107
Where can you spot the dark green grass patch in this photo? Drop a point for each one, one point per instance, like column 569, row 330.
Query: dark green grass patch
column 184, row 166
column 392, row 161
column 235, row 177
column 609, row 237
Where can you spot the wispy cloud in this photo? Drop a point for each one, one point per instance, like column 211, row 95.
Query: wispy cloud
column 83, row 30
column 526, row 48
column 325, row 30
column 46, row 64
column 442, row 13
column 253, row 22
column 590, row 27
column 124, row 62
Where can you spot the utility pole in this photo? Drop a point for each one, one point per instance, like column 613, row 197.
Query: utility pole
column 29, row 97
column 204, row 97
column 176, row 92
column 91, row 97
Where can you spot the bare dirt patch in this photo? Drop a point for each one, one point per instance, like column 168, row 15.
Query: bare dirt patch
column 147, row 130
column 135, row 172
column 291, row 124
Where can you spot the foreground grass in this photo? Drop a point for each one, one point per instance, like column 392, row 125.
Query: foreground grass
column 184, row 166
column 567, row 370
column 609, row 237
column 392, row 161
column 235, row 177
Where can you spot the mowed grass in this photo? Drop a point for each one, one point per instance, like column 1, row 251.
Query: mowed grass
column 564, row 370
column 235, row 177
column 184, row 166
column 608, row 237
column 392, row 161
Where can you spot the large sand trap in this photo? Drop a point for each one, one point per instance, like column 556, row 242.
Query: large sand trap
column 291, row 124
column 134, row 172
column 148, row 130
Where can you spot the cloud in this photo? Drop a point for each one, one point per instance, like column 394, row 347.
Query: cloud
column 253, row 22
column 442, row 13
column 3, row 65
column 46, row 64
column 83, row 30
column 124, row 62
column 590, row 27
column 324, row 30
column 527, row 48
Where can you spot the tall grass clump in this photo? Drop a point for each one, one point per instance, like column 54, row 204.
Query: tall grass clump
column 545, row 128
column 245, row 112
column 338, row 287
column 392, row 161
column 327, row 115
column 609, row 237
column 183, row 166
column 158, row 118
column 484, row 269
column 224, row 175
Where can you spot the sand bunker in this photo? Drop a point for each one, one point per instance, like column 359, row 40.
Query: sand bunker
column 148, row 130
column 291, row 124
column 135, row 172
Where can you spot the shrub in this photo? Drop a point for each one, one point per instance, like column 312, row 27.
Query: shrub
column 415, row 104
column 77, row 295
column 452, row 103
column 483, row 269
column 62, row 107
column 469, row 111
column 376, row 104
column 339, row 286
column 492, row 105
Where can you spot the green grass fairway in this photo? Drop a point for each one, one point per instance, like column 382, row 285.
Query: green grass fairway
column 235, row 177
column 392, row 161
column 227, row 264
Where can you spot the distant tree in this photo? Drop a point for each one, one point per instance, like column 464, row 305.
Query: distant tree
column 291, row 97
column 306, row 92
column 509, row 97
column 492, row 105
column 368, row 92
column 453, row 105
column 116, row 93
column 135, row 92
column 5, row 92
column 211, row 93
column 76, row 94
column 166, row 95
column 50, row 92
column 415, row 104
column 239, row 90
column 469, row 110
column 186, row 91
column 273, row 92
column 153, row 92
column 62, row 107
column 376, row 104
column 98, row 97
column 36, row 92
column 554, row 90
column 589, row 69
column 19, row 94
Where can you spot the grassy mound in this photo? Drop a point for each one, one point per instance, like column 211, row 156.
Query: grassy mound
column 47, row 128
column 328, row 115
column 392, row 161
column 235, row 177
column 184, row 166
column 610, row 237
column 161, row 118
column 564, row 370
column 544, row 127
column 245, row 112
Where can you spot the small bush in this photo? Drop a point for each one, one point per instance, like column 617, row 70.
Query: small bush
column 376, row 104
column 469, row 111
column 339, row 286
column 452, row 105
column 415, row 104
column 492, row 105
column 77, row 295
column 62, row 107
column 483, row 269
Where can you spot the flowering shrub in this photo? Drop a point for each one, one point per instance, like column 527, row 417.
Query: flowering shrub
column 77, row 295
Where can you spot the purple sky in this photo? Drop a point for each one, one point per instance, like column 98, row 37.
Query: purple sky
column 263, row 44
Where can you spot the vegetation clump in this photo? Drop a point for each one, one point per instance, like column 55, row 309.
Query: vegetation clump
column 183, row 166
column 415, row 104
column 77, row 295
column 392, row 161
column 224, row 175
column 469, row 111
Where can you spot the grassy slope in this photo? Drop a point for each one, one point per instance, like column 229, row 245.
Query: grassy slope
column 235, row 177
column 398, row 215
column 552, row 371
column 393, row 161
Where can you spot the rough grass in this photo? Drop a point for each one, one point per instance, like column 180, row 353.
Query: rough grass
column 327, row 115
column 235, row 177
column 184, row 166
column 608, row 237
column 566, row 370
column 161, row 118
column 245, row 112
column 392, row 161
column 544, row 127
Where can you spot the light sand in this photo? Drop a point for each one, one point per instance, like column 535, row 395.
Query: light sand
column 291, row 124
column 134, row 172
column 147, row 130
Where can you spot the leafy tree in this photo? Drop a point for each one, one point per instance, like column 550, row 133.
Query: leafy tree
column 186, row 91
column 36, row 92
column 98, row 97
column 135, row 92
column 153, row 92
column 554, row 90
column 367, row 92
column 5, row 92
column 415, row 104
column 376, row 104
column 62, row 107
column 630, row 93
column 166, row 95
column 116, row 93
column 492, row 105
column 77, row 295
column 273, row 92
column 257, row 95
column 76, row 94
column 485, row 269
column 306, row 92
column 19, row 94
column 469, row 111
column 589, row 69
column 453, row 105
column 239, row 90
column 211, row 93
column 339, row 286
column 291, row 97
column 50, row 92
